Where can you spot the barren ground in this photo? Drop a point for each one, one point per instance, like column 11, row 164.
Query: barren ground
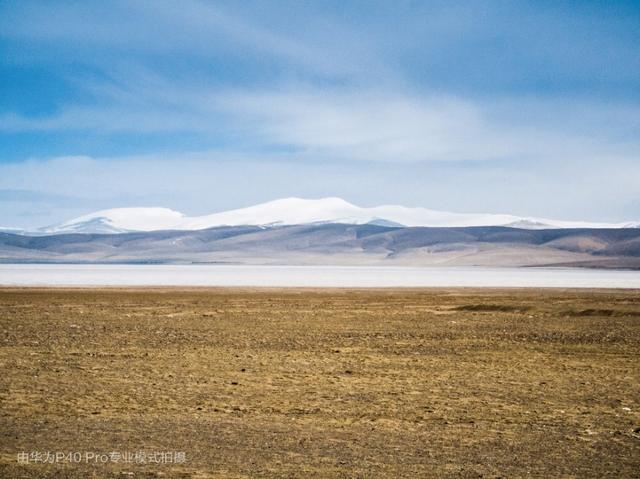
column 321, row 383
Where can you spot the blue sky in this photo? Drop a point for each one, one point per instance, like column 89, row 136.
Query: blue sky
column 530, row 108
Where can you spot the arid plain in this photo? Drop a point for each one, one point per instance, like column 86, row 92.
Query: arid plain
column 320, row 383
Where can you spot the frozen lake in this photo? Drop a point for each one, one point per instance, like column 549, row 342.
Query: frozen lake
column 313, row 276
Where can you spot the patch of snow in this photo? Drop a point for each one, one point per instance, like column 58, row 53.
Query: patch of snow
column 295, row 211
column 120, row 220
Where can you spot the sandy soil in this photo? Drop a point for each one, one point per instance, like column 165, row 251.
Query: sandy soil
column 319, row 383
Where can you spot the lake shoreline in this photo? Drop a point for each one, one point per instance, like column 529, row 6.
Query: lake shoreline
column 84, row 275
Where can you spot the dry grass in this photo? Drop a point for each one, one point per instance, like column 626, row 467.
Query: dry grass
column 323, row 383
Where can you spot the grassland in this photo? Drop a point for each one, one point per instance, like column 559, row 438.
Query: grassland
column 322, row 383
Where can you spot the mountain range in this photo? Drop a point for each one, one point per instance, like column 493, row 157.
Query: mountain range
column 296, row 231
column 298, row 211
column 338, row 244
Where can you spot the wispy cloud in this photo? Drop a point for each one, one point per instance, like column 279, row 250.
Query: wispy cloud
column 389, row 126
column 340, row 94
column 142, row 30
column 363, row 125
column 448, row 104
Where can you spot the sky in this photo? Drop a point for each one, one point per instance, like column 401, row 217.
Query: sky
column 529, row 108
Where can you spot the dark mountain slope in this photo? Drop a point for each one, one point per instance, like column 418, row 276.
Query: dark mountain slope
column 336, row 243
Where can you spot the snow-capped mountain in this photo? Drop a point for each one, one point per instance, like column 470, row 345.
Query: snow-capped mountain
column 120, row 220
column 295, row 211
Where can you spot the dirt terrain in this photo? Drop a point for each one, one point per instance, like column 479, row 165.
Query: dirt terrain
column 213, row 383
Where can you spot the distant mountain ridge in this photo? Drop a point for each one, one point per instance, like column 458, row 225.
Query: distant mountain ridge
column 337, row 244
column 299, row 211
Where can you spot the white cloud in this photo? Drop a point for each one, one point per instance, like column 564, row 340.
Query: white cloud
column 356, row 124
column 371, row 126
column 373, row 115
column 383, row 126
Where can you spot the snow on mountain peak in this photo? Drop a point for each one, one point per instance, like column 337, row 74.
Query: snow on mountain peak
column 287, row 211
column 292, row 211
column 120, row 220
